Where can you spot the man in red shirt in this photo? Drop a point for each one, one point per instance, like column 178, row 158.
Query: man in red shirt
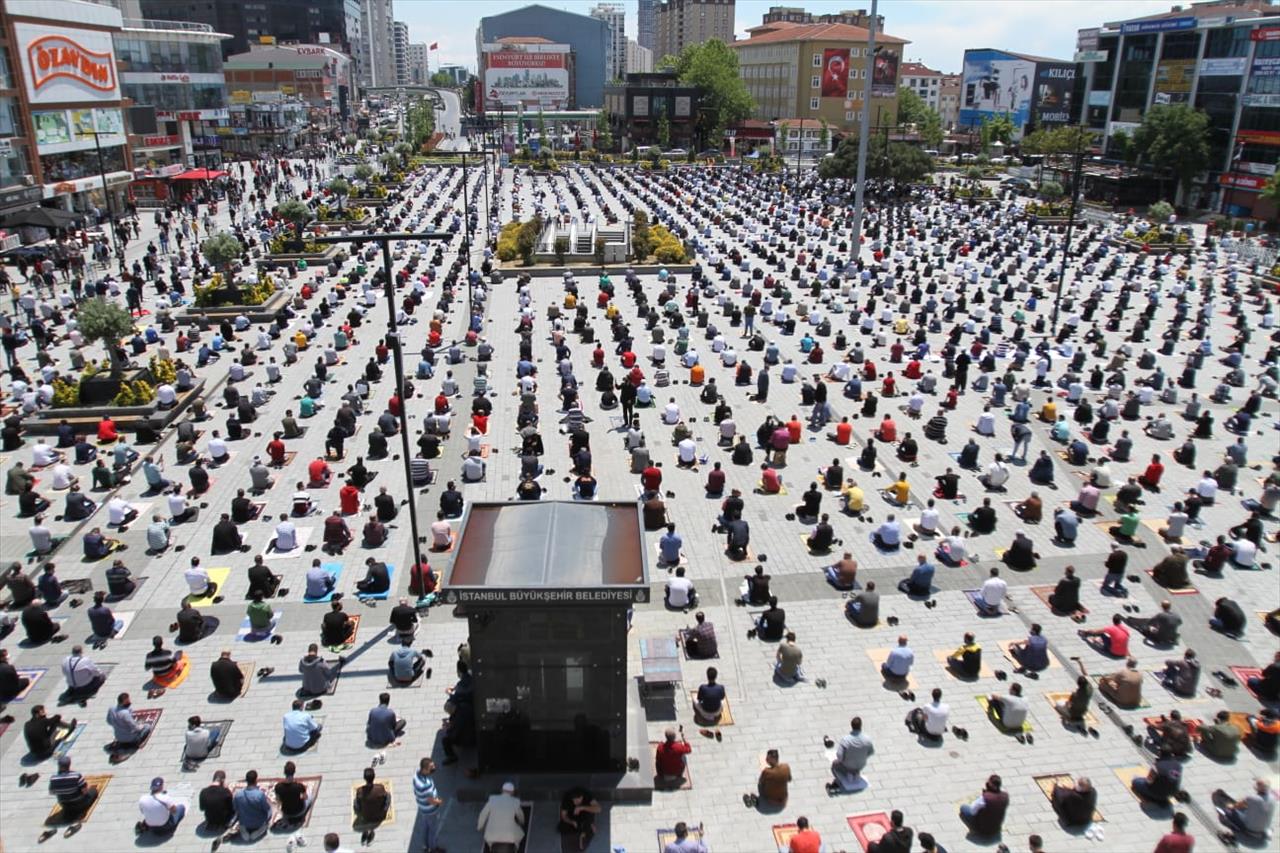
column 1151, row 477
column 1113, row 639
column 770, row 482
column 794, row 429
column 805, row 840
column 349, row 498
column 319, row 472
column 651, row 478
column 669, row 758
column 275, row 449
column 1178, row 841
column 442, row 403
column 715, row 481
column 844, row 431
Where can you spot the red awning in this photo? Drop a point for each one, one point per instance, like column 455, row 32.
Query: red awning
column 199, row 175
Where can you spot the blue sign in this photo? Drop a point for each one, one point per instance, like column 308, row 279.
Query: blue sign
column 1160, row 26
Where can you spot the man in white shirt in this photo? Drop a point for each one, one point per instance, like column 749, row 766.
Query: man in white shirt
column 198, row 580
column 218, row 449
column 43, row 454
column 41, row 536
column 178, row 509
column 62, row 476
column 82, row 674
column 729, row 357
column 688, row 451
column 671, row 414
column 473, row 469
column 441, row 532
column 119, row 513
column 680, row 592
column 160, row 812
column 166, row 396
column 986, row 424
column 930, row 720
column 997, row 474
column 888, row 535
column 993, row 591
column 928, row 524
column 1207, row 488
column 286, row 534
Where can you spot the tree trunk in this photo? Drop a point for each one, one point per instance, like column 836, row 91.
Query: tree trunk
column 113, row 355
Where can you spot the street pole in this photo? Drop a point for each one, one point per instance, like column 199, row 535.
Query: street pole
column 396, row 343
column 1077, row 168
column 111, row 208
column 864, row 131
column 799, row 145
column 466, row 223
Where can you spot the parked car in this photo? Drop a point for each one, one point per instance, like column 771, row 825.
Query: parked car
column 675, row 153
column 1021, row 185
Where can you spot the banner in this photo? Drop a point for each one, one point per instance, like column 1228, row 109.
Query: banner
column 1265, row 34
column 512, row 75
column 1175, row 75
column 1087, row 39
column 1267, row 66
column 1229, row 66
column 1243, row 182
column 1090, row 56
column 884, row 75
column 1054, row 85
column 996, row 83
column 1160, row 26
column 51, row 127
column 835, row 72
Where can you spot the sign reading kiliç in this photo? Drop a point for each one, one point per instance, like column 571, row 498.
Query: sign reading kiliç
column 66, row 64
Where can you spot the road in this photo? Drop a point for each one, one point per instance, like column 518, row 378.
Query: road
column 449, row 119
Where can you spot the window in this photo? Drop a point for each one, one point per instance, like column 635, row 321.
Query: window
column 848, row 115
column 817, row 60
column 1228, row 41
column 815, row 82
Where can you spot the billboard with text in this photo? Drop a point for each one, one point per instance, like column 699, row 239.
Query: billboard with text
column 1054, row 89
column 513, row 76
column 996, row 83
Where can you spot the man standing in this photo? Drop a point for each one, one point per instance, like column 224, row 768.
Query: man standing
column 428, row 799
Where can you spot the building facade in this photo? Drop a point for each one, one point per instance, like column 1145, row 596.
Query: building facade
column 924, row 81
column 378, row 36
column 527, row 72
column 176, row 68
column 680, row 23
column 335, row 22
column 797, row 15
column 457, row 74
column 62, row 123
column 585, row 36
column 815, row 73
column 400, row 51
column 647, row 24
column 283, row 97
column 615, row 59
column 639, row 58
column 1033, row 91
column 949, row 100
column 1222, row 58
column 418, row 58
column 636, row 107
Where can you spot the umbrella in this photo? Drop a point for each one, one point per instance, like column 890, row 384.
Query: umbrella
column 199, row 175
column 43, row 217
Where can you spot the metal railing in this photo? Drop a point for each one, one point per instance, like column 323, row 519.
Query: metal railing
column 150, row 24
column 1249, row 250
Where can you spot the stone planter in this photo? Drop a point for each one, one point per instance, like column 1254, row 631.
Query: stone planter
column 256, row 313
column 101, row 388
column 1155, row 248
column 292, row 258
column 369, row 202
column 127, row 418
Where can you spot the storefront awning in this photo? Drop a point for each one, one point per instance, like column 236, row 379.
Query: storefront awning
column 199, row 175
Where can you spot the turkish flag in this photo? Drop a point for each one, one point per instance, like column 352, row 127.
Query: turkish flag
column 435, row 45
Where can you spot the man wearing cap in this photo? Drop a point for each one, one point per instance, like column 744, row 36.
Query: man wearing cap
column 502, row 821
column 160, row 812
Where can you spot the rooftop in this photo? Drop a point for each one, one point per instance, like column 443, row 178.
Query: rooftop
column 785, row 32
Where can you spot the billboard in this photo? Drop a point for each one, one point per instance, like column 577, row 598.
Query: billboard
column 512, row 75
column 1054, row 85
column 1175, row 75
column 64, row 64
column 996, row 83
column 1265, row 34
column 884, row 75
column 1230, row 66
column 1266, row 66
column 1088, row 39
column 1163, row 25
column 835, row 72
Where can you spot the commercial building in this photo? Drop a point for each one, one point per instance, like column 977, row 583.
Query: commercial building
column 400, row 51
column 797, row 15
column 175, row 68
column 647, row 24
column 1032, row 91
column 615, row 58
column 684, row 22
column 585, row 36
column 282, row 97
column 1222, row 58
column 457, row 74
column 377, row 31
column 62, row 117
column 527, row 72
column 636, row 107
column 815, row 73
column 418, row 60
column 335, row 22
column 639, row 58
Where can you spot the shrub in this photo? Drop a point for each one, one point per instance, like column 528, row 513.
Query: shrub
column 65, row 393
column 599, row 246
column 508, row 249
column 1160, row 211
column 256, row 294
column 667, row 248
column 561, row 249
column 162, row 370
column 136, row 393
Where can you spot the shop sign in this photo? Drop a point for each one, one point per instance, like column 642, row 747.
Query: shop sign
column 172, row 169
column 1243, row 182
column 160, row 141
column 1261, row 100
column 1160, row 26
column 175, row 78
column 1265, row 34
column 1259, row 137
column 1228, row 66
column 1091, row 56
column 20, row 196
column 66, row 64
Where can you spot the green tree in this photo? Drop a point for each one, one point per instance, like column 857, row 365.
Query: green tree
column 712, row 66
column 1174, row 138
column 897, row 160
column 542, row 129
column 341, row 188
column 363, row 172
column 296, row 213
column 1271, row 189
column 996, row 129
column 664, row 130
column 442, row 80
column 1159, row 212
column 824, row 137
column 106, row 323
column 912, row 109
column 389, row 162
column 561, row 249
column 604, row 131
column 221, row 250
column 1052, row 190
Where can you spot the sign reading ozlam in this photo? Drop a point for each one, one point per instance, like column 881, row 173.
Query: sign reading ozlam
column 67, row 65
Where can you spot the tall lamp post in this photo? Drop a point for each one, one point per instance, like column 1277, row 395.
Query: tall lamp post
column 106, row 194
column 397, row 349
column 1076, row 170
column 864, row 132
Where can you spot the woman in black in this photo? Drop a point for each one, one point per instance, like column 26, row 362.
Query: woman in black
column 578, row 810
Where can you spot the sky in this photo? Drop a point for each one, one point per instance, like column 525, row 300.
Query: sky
column 939, row 30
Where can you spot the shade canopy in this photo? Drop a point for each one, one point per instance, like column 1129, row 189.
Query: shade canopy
column 199, row 175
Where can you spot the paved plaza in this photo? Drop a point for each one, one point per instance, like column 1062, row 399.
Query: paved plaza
column 938, row 272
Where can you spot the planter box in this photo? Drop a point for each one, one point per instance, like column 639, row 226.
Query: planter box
column 370, row 202
column 348, row 224
column 127, row 418
column 256, row 313
column 290, row 258
column 101, row 388
column 1162, row 248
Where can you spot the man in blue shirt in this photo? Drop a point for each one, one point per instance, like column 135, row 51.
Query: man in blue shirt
column 253, row 809
column 710, row 701
column 921, row 580
column 405, row 664
column 669, row 547
column 1066, row 524
column 898, row 664
column 1033, row 652
column 383, row 727
column 300, row 728
column 429, row 802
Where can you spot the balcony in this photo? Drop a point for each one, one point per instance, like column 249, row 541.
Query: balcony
column 183, row 26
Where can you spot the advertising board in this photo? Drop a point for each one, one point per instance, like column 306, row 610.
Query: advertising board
column 512, row 75
column 66, row 64
column 996, row 83
column 1054, row 89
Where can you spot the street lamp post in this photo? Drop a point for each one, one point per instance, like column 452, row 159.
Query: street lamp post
column 1077, row 168
column 106, row 194
column 864, row 130
column 397, row 350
